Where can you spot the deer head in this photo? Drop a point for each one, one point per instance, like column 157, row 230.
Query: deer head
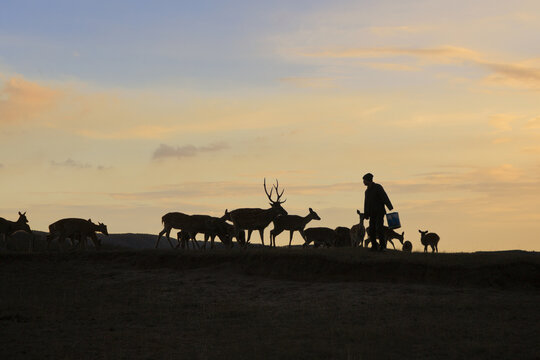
column 276, row 204
column 361, row 215
column 102, row 228
column 313, row 214
column 22, row 217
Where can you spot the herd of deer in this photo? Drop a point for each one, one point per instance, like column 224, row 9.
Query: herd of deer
column 244, row 219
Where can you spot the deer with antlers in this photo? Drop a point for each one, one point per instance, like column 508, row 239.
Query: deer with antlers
column 292, row 223
column 7, row 228
column 251, row 219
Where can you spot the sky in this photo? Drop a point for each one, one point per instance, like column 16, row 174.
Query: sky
column 122, row 111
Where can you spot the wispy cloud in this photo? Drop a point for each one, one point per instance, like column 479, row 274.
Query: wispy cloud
column 502, row 73
column 440, row 53
column 70, row 163
column 167, row 151
column 137, row 132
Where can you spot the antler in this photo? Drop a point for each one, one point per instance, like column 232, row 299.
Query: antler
column 277, row 201
column 278, row 194
column 266, row 191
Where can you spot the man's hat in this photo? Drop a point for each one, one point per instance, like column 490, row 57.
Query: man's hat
column 368, row 176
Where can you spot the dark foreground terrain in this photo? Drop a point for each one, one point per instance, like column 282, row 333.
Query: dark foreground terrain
column 269, row 304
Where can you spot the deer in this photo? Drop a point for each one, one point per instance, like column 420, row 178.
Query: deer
column 292, row 223
column 389, row 234
column 75, row 228
column 211, row 227
column 251, row 219
column 358, row 231
column 173, row 220
column 193, row 225
column 7, row 228
column 320, row 236
column 429, row 239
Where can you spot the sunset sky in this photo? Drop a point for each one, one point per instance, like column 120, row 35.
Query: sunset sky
column 121, row 111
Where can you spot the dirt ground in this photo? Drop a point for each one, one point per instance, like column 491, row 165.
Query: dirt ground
column 78, row 307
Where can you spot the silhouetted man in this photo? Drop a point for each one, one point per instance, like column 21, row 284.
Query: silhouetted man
column 374, row 202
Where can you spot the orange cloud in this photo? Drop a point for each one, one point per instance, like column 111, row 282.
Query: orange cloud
column 22, row 100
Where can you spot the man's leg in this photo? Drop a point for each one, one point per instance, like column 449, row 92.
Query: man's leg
column 379, row 225
column 372, row 234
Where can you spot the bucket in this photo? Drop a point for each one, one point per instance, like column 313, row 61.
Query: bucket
column 393, row 220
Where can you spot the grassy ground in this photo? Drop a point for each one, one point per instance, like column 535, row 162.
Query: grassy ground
column 269, row 303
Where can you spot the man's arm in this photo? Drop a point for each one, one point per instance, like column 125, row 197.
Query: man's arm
column 386, row 200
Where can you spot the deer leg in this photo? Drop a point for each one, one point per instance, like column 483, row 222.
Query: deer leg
column 206, row 236
column 391, row 242
column 166, row 230
column 275, row 232
column 249, row 236
column 159, row 237
column 291, row 232
column 192, row 236
column 302, row 234
column 178, row 239
column 261, row 232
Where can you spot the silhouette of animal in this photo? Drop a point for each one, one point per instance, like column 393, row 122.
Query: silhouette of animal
column 407, row 246
column 292, row 223
column 173, row 220
column 193, row 224
column 429, row 239
column 183, row 239
column 7, row 228
column 211, row 227
column 251, row 219
column 343, row 238
column 358, row 231
column 75, row 228
column 320, row 236
column 389, row 235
